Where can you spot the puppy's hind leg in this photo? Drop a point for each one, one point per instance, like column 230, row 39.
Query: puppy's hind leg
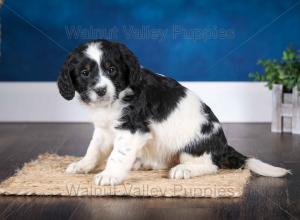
column 191, row 166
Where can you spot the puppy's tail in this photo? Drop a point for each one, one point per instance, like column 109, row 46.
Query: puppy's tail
column 264, row 169
column 253, row 164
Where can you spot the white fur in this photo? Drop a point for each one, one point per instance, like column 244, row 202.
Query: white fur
column 160, row 74
column 104, row 118
column 122, row 157
column 182, row 126
column 265, row 169
column 95, row 53
column 99, row 148
column 191, row 166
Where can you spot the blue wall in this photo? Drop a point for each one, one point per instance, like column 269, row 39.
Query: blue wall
column 223, row 39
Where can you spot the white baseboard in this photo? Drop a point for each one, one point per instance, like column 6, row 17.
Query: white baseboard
column 41, row 102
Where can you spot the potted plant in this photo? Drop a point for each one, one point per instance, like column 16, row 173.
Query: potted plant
column 283, row 78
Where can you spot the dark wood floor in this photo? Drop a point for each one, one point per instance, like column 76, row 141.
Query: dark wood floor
column 265, row 198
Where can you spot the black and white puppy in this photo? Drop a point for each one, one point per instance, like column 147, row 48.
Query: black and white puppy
column 144, row 120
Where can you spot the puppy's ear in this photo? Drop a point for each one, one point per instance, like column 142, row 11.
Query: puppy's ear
column 131, row 63
column 64, row 81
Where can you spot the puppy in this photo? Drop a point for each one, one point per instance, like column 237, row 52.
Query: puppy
column 145, row 120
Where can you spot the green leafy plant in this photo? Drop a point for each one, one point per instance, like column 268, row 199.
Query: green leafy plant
column 285, row 72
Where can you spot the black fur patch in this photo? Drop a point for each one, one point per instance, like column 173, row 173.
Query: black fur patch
column 154, row 99
column 223, row 155
column 207, row 128
column 209, row 114
column 228, row 157
column 214, row 143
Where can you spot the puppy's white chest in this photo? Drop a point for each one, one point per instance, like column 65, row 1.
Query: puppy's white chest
column 106, row 117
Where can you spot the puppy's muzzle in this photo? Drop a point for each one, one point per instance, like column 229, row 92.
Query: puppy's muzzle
column 101, row 91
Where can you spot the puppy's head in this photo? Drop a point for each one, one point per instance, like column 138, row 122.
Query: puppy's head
column 98, row 71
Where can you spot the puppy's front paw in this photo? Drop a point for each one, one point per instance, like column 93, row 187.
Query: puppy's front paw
column 78, row 167
column 104, row 178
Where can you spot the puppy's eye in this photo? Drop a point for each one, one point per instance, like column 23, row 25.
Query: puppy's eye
column 85, row 73
column 111, row 70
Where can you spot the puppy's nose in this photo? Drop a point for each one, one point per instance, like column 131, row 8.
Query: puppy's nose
column 101, row 91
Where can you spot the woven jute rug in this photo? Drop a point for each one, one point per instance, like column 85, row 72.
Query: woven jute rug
column 46, row 176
